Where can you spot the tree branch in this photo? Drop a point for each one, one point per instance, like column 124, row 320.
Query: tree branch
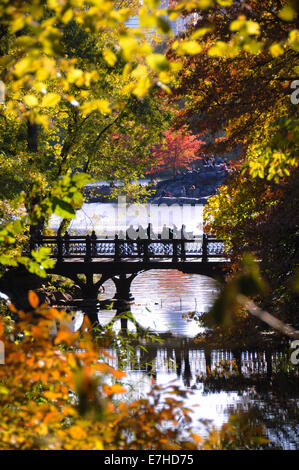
column 268, row 318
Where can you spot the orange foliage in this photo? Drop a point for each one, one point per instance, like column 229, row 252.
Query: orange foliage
column 59, row 393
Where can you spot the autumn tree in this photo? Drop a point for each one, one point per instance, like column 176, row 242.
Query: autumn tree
column 64, row 99
column 177, row 150
column 243, row 94
column 240, row 79
column 78, row 132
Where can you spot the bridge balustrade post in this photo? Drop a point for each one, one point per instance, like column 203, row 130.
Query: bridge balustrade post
column 139, row 247
column 87, row 258
column 183, row 250
column 59, row 248
column 116, row 248
column 205, row 248
column 67, row 243
column 174, row 250
column 93, row 244
column 145, row 251
column 149, row 231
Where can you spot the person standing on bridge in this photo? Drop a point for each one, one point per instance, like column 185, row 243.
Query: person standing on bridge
column 150, row 232
column 131, row 233
column 165, row 233
column 141, row 233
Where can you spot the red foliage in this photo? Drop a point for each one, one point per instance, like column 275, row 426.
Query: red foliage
column 179, row 149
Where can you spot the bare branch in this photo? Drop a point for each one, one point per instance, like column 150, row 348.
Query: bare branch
column 268, row 318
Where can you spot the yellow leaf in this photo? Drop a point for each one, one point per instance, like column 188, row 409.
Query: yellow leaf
column 74, row 75
column 99, row 445
column 204, row 4
column 109, row 56
column 249, row 27
column 77, row 432
column 190, row 47
column 225, row 3
column 43, row 429
column 129, row 46
column 50, row 100
column 223, row 49
column 201, row 32
column 18, row 24
column 103, row 106
column 67, row 16
column 30, row 100
column 3, row 390
column 252, row 27
column 23, row 66
column 276, row 50
column 294, row 39
column 142, row 87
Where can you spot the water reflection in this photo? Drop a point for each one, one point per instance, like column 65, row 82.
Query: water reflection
column 269, row 398
column 171, row 353
column 220, row 382
column 161, row 298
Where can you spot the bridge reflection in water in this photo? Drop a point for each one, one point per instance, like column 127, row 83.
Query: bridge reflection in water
column 187, row 357
column 221, row 382
column 190, row 360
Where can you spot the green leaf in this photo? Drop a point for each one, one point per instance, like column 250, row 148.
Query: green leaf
column 158, row 62
column 287, row 13
column 63, row 208
column 163, row 25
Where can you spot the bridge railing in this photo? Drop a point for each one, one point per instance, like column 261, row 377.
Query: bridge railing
column 90, row 247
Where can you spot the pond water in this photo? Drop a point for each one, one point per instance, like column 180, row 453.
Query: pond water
column 161, row 300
